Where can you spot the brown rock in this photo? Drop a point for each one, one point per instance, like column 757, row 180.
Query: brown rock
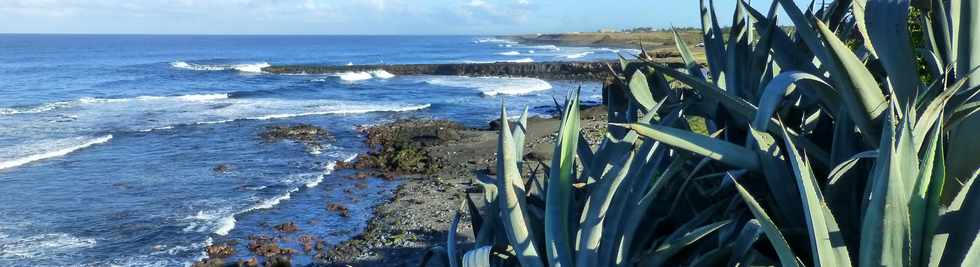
column 287, row 227
column 278, row 261
column 360, row 176
column 251, row 262
column 361, row 185
column 209, row 263
column 340, row 165
column 220, row 251
column 338, row 208
column 221, row 168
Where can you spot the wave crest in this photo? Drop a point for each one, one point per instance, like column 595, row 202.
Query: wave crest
column 493, row 86
column 352, row 76
column 246, row 67
column 52, row 150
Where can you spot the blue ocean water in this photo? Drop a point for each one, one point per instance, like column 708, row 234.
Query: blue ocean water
column 107, row 142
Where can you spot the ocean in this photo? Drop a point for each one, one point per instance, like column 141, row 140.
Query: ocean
column 108, row 142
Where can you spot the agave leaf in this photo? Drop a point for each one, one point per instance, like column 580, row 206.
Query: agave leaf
column 637, row 214
column 737, row 106
column 956, row 238
column 859, row 89
column 885, row 233
column 690, row 63
column 714, row 257
column 451, row 249
column 585, row 153
column 776, row 238
column 887, row 26
column 932, row 178
column 596, row 207
column 821, row 224
column 649, row 157
column 511, row 198
column 738, row 51
column 934, row 111
column 963, row 111
column 714, row 46
column 782, row 85
column 640, row 90
column 841, row 169
column 857, row 86
column 478, row 257
column 520, row 133
column 965, row 17
column 773, row 165
column 671, row 247
column 558, row 199
column 437, row 253
column 746, row 238
column 715, row 149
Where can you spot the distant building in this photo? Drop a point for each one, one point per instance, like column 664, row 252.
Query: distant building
column 607, row 31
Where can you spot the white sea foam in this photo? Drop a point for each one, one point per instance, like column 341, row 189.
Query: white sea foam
column 606, row 49
column 494, row 40
column 353, row 110
column 54, row 149
column 579, row 55
column 246, row 67
column 492, row 86
column 42, row 245
column 523, row 60
column 352, row 76
column 382, row 74
column 509, row 53
column 545, row 47
column 222, row 221
column 35, row 109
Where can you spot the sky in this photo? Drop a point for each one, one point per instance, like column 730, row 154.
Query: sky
column 348, row 16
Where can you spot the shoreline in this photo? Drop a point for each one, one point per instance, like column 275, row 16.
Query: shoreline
column 418, row 215
column 558, row 70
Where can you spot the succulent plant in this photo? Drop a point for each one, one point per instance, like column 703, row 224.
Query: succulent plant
column 824, row 140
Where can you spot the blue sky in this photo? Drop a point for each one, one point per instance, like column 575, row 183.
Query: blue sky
column 346, row 16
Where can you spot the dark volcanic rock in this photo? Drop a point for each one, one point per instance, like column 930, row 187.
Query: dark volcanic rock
column 287, row 227
column 220, row 251
column 339, row 209
column 300, row 133
column 399, row 147
column 543, row 70
column 222, row 168
column 278, row 261
column 209, row 263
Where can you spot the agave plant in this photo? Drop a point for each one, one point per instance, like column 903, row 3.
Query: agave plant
column 825, row 140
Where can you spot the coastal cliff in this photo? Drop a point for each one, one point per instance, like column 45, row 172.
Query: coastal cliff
column 541, row 70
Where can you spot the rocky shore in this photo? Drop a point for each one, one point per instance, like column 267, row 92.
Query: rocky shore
column 435, row 161
column 418, row 216
column 540, row 70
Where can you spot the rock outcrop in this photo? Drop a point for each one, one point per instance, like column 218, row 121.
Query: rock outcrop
column 541, row 70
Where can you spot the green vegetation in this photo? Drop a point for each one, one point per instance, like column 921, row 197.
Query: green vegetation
column 817, row 153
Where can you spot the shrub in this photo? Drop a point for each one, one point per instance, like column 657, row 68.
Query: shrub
column 817, row 153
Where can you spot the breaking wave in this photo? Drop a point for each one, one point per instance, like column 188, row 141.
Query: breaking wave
column 42, row 245
column 247, row 67
column 352, row 76
column 579, row 55
column 493, row 86
column 53, row 149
